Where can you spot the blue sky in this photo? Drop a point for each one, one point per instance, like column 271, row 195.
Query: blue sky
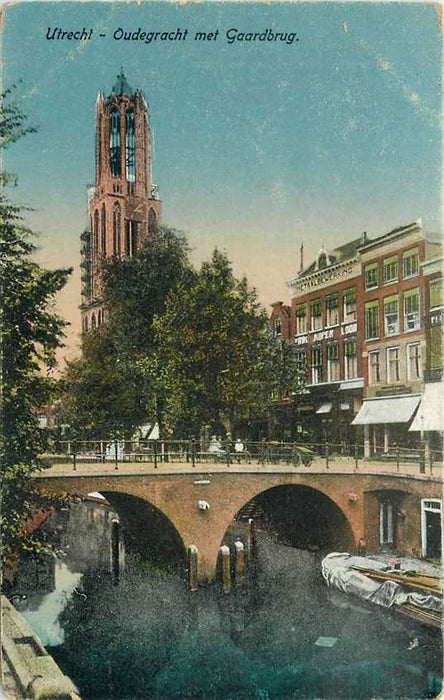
column 258, row 147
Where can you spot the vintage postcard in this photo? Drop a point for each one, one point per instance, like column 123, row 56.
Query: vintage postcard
column 222, row 350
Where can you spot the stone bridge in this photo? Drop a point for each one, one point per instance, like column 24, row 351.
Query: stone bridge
column 341, row 501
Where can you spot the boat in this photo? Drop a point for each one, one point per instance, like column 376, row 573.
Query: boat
column 410, row 587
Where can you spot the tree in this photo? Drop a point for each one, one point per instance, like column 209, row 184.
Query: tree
column 117, row 384
column 214, row 347
column 30, row 331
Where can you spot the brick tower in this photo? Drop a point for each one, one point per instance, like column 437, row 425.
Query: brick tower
column 123, row 205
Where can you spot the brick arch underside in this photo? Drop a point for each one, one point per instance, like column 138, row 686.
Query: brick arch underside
column 146, row 528
column 300, row 515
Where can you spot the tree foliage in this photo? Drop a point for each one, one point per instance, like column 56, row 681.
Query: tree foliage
column 215, row 349
column 117, row 383
column 31, row 331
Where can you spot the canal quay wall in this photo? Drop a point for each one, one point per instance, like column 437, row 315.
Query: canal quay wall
column 28, row 671
column 178, row 492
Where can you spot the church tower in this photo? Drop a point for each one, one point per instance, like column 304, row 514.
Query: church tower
column 123, row 205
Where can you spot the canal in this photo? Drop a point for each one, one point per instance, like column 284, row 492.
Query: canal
column 284, row 634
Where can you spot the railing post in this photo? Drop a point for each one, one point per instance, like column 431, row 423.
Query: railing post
column 397, row 458
column 193, row 451
column 422, row 457
column 155, row 453
column 356, row 456
column 74, row 456
column 116, row 454
column 327, row 451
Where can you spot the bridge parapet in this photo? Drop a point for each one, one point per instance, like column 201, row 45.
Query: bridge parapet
column 184, row 455
column 28, row 670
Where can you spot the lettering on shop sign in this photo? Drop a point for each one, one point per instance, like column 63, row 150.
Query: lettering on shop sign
column 301, row 340
column 320, row 278
column 323, row 335
column 437, row 318
column 349, row 328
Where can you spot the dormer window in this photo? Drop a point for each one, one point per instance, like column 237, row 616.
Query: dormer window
column 114, row 145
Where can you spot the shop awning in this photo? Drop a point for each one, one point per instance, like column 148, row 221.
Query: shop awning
column 430, row 413
column 324, row 407
column 393, row 409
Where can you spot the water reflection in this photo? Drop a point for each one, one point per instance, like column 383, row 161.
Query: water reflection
column 150, row 638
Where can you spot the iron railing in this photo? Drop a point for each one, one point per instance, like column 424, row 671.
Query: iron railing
column 194, row 453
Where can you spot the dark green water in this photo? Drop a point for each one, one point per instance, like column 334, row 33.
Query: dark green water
column 149, row 637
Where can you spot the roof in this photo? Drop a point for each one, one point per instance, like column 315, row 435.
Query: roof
column 122, row 86
column 343, row 252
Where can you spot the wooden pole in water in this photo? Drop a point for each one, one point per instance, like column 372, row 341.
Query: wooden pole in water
column 193, row 569
column 251, row 539
column 226, row 572
column 239, row 563
column 115, row 550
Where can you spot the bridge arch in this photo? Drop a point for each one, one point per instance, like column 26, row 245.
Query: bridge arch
column 147, row 531
column 301, row 515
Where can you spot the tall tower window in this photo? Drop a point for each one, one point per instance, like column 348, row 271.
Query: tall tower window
column 114, row 145
column 96, row 234
column 116, row 229
column 103, row 237
column 152, row 222
column 130, row 148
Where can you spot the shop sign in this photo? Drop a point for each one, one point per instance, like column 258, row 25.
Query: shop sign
column 349, row 328
column 391, row 390
column 437, row 317
column 323, row 335
column 301, row 340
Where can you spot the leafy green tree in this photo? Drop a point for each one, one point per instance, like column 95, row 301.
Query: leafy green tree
column 118, row 383
column 215, row 350
column 30, row 332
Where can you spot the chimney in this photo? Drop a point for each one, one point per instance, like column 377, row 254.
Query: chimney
column 302, row 258
column 363, row 238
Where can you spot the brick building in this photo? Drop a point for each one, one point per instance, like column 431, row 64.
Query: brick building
column 363, row 322
column 123, row 204
column 323, row 332
column 392, row 316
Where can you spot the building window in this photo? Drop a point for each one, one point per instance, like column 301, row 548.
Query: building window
column 103, row 236
column 371, row 276
column 393, row 365
column 386, row 523
column 116, row 229
column 301, row 364
column 371, row 313
column 332, row 304
column 411, row 263
column 414, row 361
column 436, row 347
column 391, row 270
column 316, row 315
column 391, row 315
column 333, row 362
column 316, row 364
column 130, row 151
column 374, row 367
column 301, row 319
column 152, row 222
column 134, row 236
column 350, row 359
column 350, row 305
column 96, row 234
column 114, row 143
column 412, row 319
column 277, row 326
column 431, row 527
column 436, row 293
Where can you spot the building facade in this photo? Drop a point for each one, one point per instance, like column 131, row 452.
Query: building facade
column 366, row 329
column 123, row 204
column 326, row 345
column 393, row 317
